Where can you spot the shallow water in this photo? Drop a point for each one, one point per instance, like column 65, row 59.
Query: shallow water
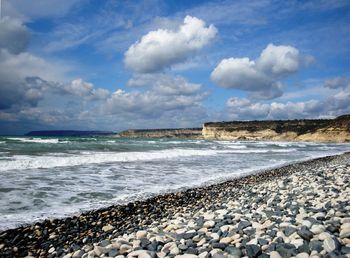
column 55, row 177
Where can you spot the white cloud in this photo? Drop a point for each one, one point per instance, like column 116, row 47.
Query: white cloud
column 165, row 84
column 338, row 83
column 162, row 48
column 330, row 105
column 14, row 36
column 240, row 73
column 260, row 77
column 278, row 61
column 86, row 90
column 244, row 109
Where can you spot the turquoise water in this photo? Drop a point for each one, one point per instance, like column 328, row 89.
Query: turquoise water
column 55, row 177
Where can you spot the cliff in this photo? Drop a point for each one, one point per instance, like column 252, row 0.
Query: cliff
column 193, row 133
column 316, row 130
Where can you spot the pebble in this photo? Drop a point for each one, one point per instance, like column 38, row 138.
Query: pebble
column 107, row 228
column 124, row 248
column 305, row 233
column 317, row 229
column 253, row 250
column 275, row 254
column 78, row 254
column 209, row 224
column 345, row 233
column 141, row 234
column 323, row 236
column 251, row 218
column 186, row 256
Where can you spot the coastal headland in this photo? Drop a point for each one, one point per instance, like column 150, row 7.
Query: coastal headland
column 314, row 130
column 299, row 210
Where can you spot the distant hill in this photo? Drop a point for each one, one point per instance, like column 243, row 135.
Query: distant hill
column 67, row 133
column 193, row 133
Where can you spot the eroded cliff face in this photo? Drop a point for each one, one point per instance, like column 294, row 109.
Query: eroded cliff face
column 193, row 133
column 318, row 130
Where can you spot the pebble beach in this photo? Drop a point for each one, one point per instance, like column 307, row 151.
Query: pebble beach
column 299, row 210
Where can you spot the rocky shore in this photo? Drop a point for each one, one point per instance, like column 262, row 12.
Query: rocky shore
column 300, row 210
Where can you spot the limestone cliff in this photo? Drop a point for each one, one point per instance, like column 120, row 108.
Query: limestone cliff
column 193, row 133
column 316, row 130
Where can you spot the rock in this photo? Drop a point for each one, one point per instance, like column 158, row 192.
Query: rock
column 331, row 244
column 317, row 229
column 262, row 241
column 138, row 253
column 234, row 251
column 78, row 254
column 221, row 246
column 286, row 250
column 316, row 245
column 275, row 254
column 253, row 250
column 99, row 250
column 112, row 253
column 124, row 248
column 305, row 233
column 323, row 236
column 104, row 243
column 304, row 248
column 174, row 250
column 218, row 255
column 203, row 255
column 186, row 256
column 297, row 242
column 215, row 236
column 107, row 228
column 226, row 240
column 209, row 224
column 51, row 250
column 141, row 234
column 345, row 250
column 306, row 223
column 302, row 255
column 264, row 255
column 144, row 255
column 345, row 233
column 289, row 231
column 243, row 224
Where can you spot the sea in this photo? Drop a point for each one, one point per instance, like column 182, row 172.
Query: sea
column 48, row 177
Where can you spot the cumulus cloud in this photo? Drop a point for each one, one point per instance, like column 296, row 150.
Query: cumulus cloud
column 243, row 109
column 329, row 106
column 87, row 90
column 164, row 93
column 162, row 48
column 278, row 61
column 260, row 77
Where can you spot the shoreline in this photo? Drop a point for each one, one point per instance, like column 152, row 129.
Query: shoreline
column 69, row 234
column 149, row 195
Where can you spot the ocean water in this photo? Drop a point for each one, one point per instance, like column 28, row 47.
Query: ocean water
column 55, row 177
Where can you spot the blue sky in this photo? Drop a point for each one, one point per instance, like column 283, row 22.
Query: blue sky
column 113, row 65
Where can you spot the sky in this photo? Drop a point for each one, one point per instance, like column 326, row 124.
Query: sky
column 114, row 65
